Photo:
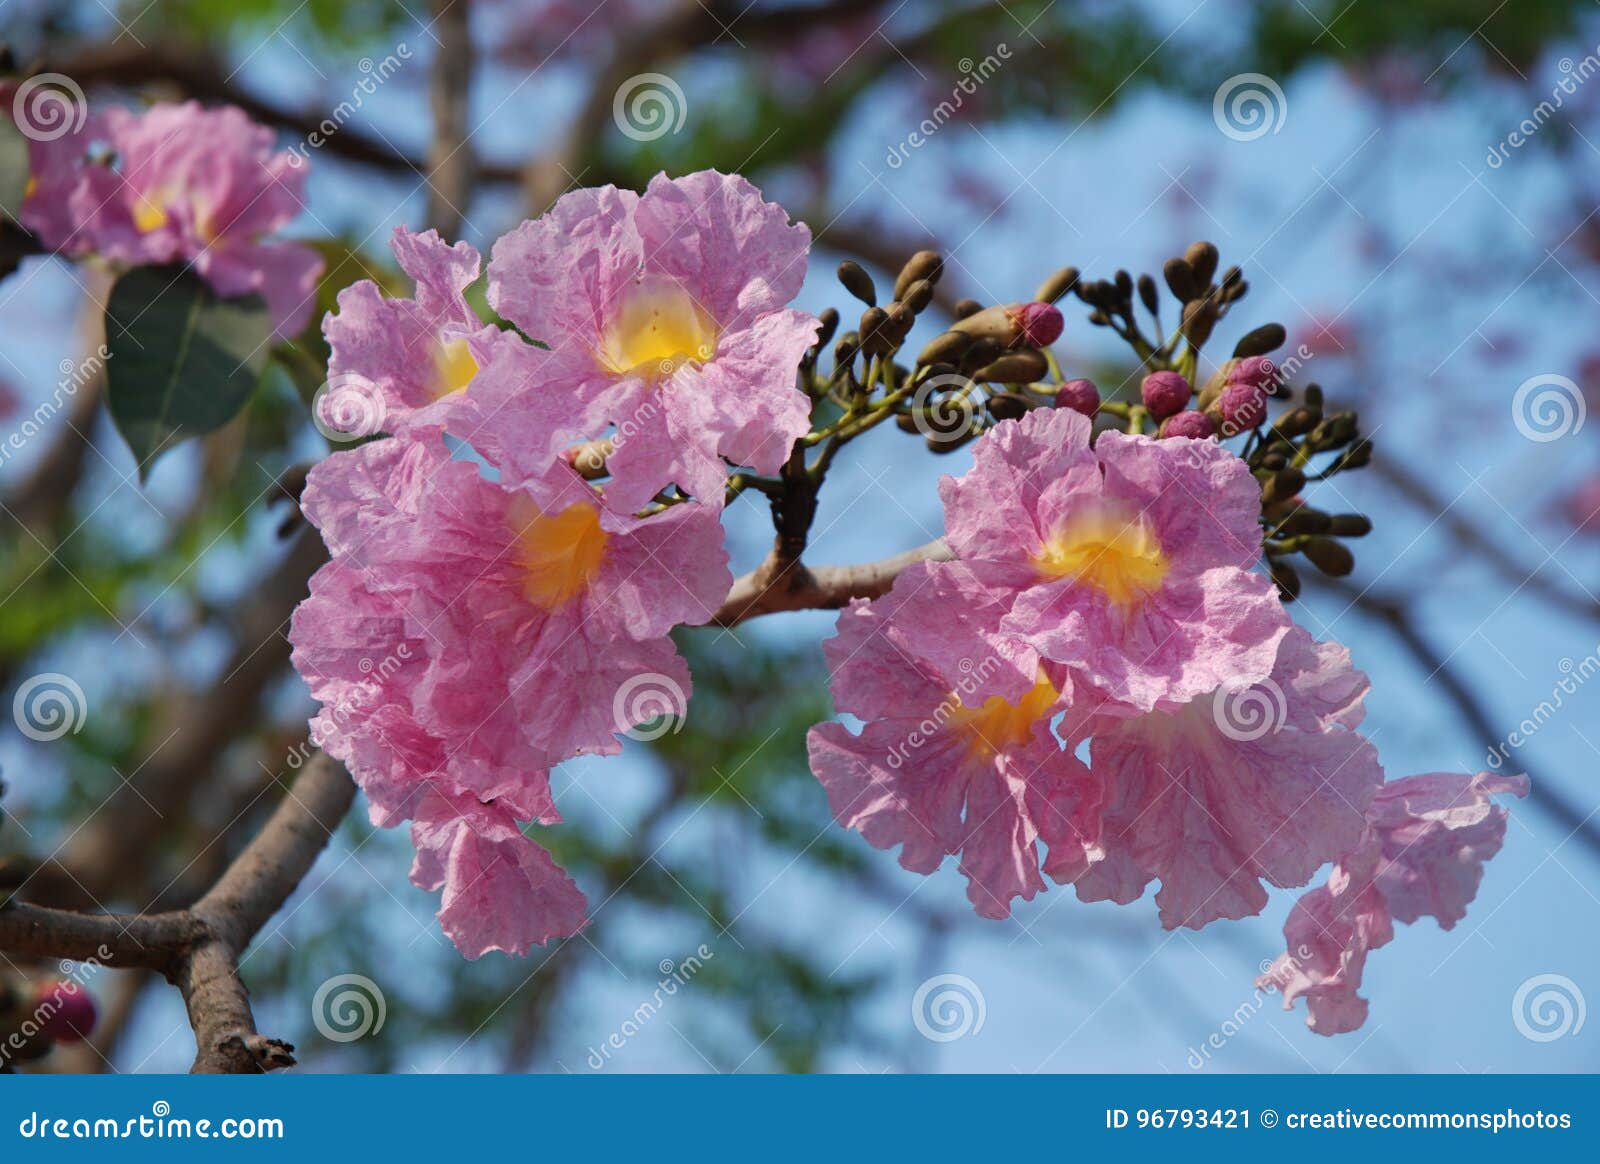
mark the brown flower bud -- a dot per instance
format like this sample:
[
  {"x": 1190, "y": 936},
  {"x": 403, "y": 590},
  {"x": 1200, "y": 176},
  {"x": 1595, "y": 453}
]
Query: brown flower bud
[
  {"x": 918, "y": 296},
  {"x": 1202, "y": 259},
  {"x": 1019, "y": 367},
  {"x": 1180, "y": 279},
  {"x": 1057, "y": 285},
  {"x": 858, "y": 283},
  {"x": 966, "y": 307},
  {"x": 1332, "y": 557},
  {"x": 947, "y": 347},
  {"x": 927, "y": 265},
  {"x": 1349, "y": 525},
  {"x": 1007, "y": 406},
  {"x": 1268, "y": 337},
  {"x": 1286, "y": 579}
]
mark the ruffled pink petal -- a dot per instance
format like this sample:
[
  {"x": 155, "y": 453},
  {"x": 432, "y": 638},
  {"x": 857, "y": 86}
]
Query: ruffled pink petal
[
  {"x": 1219, "y": 795},
  {"x": 501, "y": 890}
]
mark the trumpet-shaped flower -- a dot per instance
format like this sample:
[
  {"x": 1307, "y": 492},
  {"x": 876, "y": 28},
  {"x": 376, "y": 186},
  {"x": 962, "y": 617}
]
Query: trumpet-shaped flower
[
  {"x": 666, "y": 319},
  {"x": 1260, "y": 782},
  {"x": 182, "y": 183},
  {"x": 957, "y": 755},
  {"x": 1421, "y": 855},
  {"x": 1128, "y": 562},
  {"x": 397, "y": 364}
]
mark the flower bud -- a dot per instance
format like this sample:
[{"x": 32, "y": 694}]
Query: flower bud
[
  {"x": 1286, "y": 579},
  {"x": 827, "y": 324},
  {"x": 66, "y": 1012},
  {"x": 1268, "y": 337},
  {"x": 1164, "y": 393},
  {"x": 1188, "y": 423},
  {"x": 1283, "y": 485},
  {"x": 1199, "y": 317},
  {"x": 1041, "y": 324},
  {"x": 875, "y": 338},
  {"x": 927, "y": 265},
  {"x": 1331, "y": 557},
  {"x": 1243, "y": 407},
  {"x": 1349, "y": 525},
  {"x": 1007, "y": 406},
  {"x": 966, "y": 307},
  {"x": 949, "y": 346},
  {"x": 1057, "y": 285},
  {"x": 982, "y": 350},
  {"x": 858, "y": 282},
  {"x": 1080, "y": 396},
  {"x": 1019, "y": 367},
  {"x": 1180, "y": 279},
  {"x": 1033, "y": 325},
  {"x": 918, "y": 296},
  {"x": 1304, "y": 520},
  {"x": 1202, "y": 258}
]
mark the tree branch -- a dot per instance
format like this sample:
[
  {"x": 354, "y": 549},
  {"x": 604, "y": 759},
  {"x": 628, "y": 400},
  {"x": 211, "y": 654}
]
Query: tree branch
[{"x": 777, "y": 585}]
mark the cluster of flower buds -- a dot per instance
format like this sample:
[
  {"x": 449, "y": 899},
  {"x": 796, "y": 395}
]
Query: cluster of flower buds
[
  {"x": 36, "y": 1016},
  {"x": 994, "y": 363}
]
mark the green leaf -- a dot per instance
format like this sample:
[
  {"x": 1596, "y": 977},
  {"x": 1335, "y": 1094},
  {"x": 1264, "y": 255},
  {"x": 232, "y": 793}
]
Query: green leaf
[
  {"x": 182, "y": 361},
  {"x": 14, "y": 168}
]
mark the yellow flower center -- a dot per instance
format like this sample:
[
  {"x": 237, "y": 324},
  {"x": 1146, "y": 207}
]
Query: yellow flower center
[
  {"x": 658, "y": 327},
  {"x": 998, "y": 724},
  {"x": 453, "y": 366},
  {"x": 559, "y": 553},
  {"x": 149, "y": 214},
  {"x": 1111, "y": 549}
]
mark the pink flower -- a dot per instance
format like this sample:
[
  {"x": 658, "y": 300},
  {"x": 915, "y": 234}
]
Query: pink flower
[
  {"x": 467, "y": 636},
  {"x": 1421, "y": 855},
  {"x": 666, "y": 321},
  {"x": 1128, "y": 562},
  {"x": 189, "y": 184},
  {"x": 372, "y": 677},
  {"x": 1243, "y": 407},
  {"x": 957, "y": 756},
  {"x": 502, "y": 891},
  {"x": 1263, "y": 782},
  {"x": 539, "y": 603},
  {"x": 404, "y": 363}
]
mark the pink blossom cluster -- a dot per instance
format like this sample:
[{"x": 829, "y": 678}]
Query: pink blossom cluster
[
  {"x": 175, "y": 182},
  {"x": 489, "y": 613},
  {"x": 1103, "y": 602}
]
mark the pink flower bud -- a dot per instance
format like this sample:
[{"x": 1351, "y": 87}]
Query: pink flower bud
[
  {"x": 1080, "y": 396},
  {"x": 1039, "y": 323},
  {"x": 1164, "y": 393},
  {"x": 1188, "y": 424},
  {"x": 1243, "y": 406},
  {"x": 66, "y": 1012},
  {"x": 1257, "y": 371}
]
